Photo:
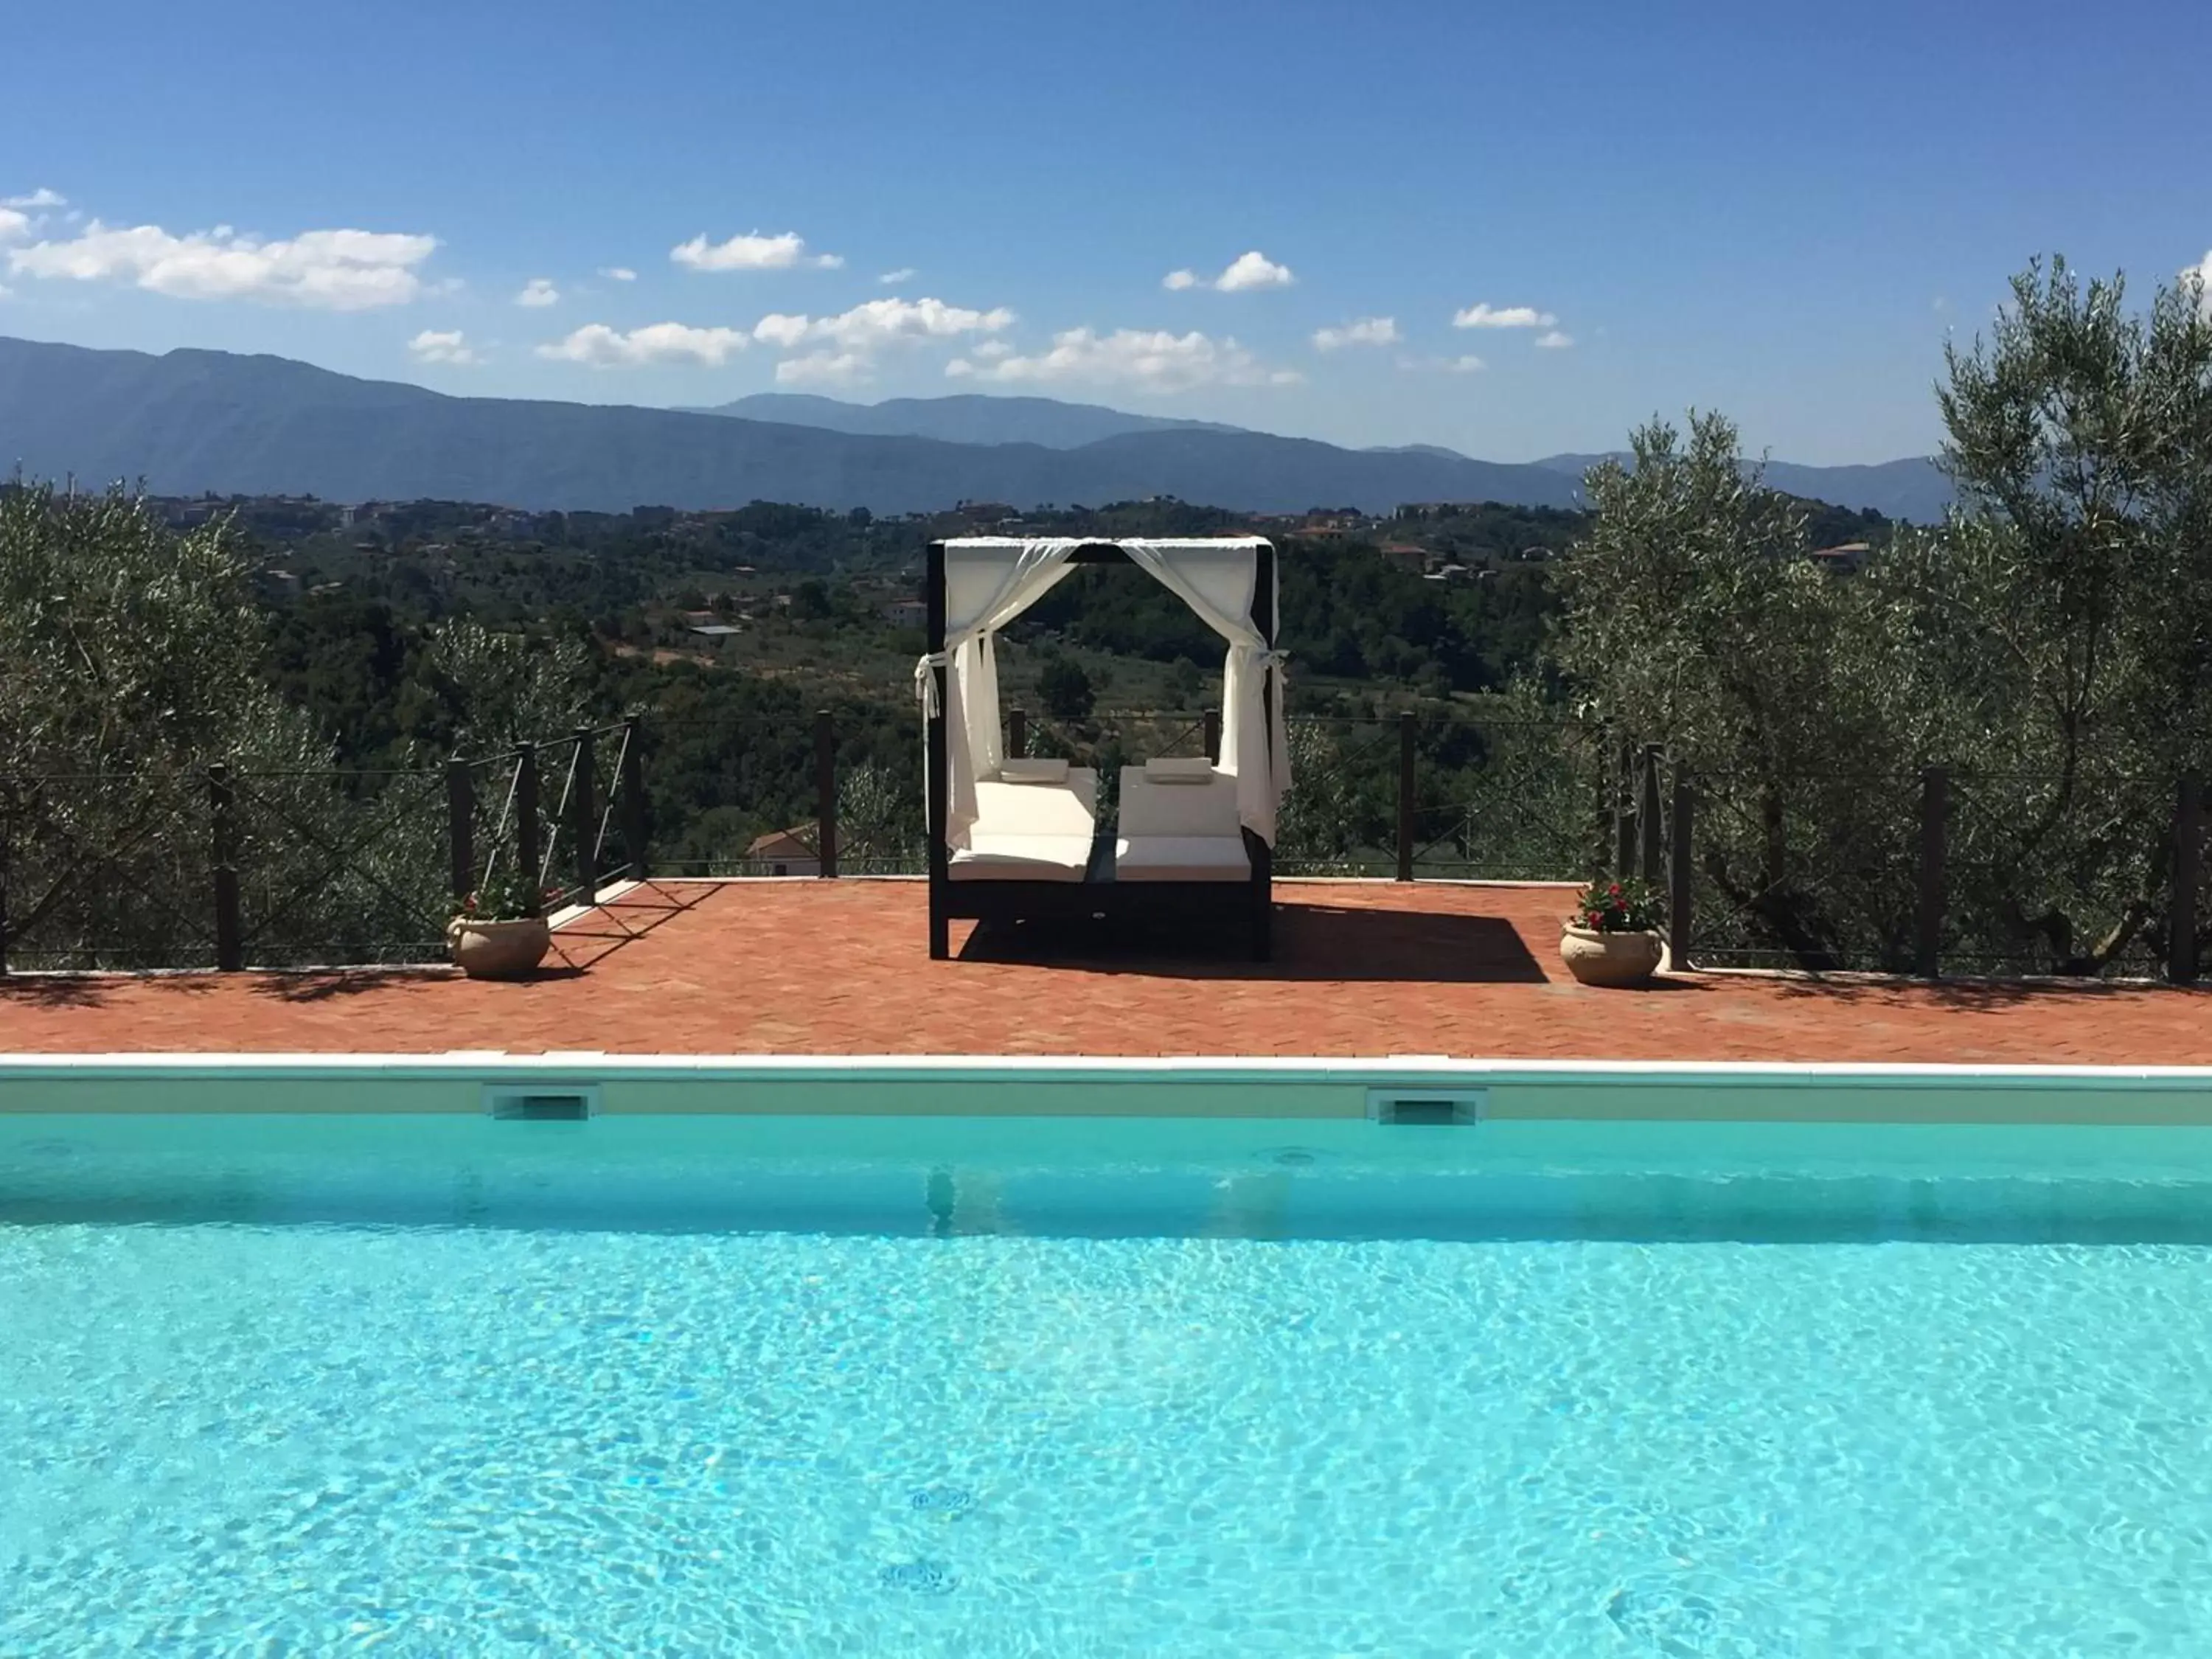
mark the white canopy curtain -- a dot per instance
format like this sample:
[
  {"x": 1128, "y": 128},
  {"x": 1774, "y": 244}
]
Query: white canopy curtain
[
  {"x": 991, "y": 580},
  {"x": 1215, "y": 579},
  {"x": 988, "y": 583}
]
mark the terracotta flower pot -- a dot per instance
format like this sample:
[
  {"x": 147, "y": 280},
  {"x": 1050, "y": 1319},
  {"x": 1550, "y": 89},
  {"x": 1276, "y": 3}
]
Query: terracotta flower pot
[
  {"x": 498, "y": 950},
  {"x": 1613, "y": 960}
]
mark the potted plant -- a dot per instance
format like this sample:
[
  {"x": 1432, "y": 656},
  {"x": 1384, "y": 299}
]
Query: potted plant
[
  {"x": 1613, "y": 937},
  {"x": 501, "y": 932}
]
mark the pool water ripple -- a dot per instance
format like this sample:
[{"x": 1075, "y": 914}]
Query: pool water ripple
[{"x": 229, "y": 1439}]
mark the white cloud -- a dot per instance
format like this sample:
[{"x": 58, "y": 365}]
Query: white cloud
[
  {"x": 824, "y": 368},
  {"x": 450, "y": 346},
  {"x": 618, "y": 273},
  {"x": 753, "y": 252},
  {"x": 1467, "y": 364},
  {"x": 991, "y": 350},
  {"x": 1144, "y": 361},
  {"x": 2202, "y": 270},
  {"x": 329, "y": 270},
  {"x": 6, "y": 293},
  {"x": 538, "y": 291},
  {"x": 1253, "y": 269},
  {"x": 40, "y": 197},
  {"x": 658, "y": 343},
  {"x": 1555, "y": 341},
  {"x": 13, "y": 224},
  {"x": 1366, "y": 331},
  {"x": 903, "y": 274},
  {"x": 876, "y": 323},
  {"x": 778, "y": 329},
  {"x": 1246, "y": 271},
  {"x": 1490, "y": 316}
]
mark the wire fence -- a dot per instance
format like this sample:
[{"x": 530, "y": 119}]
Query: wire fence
[
  {"x": 1810, "y": 870},
  {"x": 2098, "y": 870},
  {"x": 2094, "y": 873}
]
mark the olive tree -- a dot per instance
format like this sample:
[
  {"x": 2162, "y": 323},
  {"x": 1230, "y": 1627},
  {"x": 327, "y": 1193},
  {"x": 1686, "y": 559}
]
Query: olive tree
[
  {"x": 1694, "y": 621},
  {"x": 2062, "y": 625},
  {"x": 2050, "y": 643},
  {"x": 130, "y": 662}
]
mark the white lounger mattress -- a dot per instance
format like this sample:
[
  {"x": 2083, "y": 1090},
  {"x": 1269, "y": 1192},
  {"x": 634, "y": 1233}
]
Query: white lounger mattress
[
  {"x": 1180, "y": 831},
  {"x": 1030, "y": 832}
]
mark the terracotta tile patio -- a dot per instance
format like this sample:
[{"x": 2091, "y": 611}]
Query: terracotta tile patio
[{"x": 840, "y": 968}]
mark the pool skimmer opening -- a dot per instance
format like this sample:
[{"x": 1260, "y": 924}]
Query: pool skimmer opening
[
  {"x": 542, "y": 1102},
  {"x": 1427, "y": 1107}
]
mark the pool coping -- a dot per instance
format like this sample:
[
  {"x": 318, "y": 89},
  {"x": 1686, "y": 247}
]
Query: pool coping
[{"x": 1175, "y": 1087}]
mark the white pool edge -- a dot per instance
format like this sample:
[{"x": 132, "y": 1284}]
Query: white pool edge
[{"x": 1107, "y": 1086}]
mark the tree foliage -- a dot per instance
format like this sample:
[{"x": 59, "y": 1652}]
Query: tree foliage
[{"x": 2051, "y": 646}]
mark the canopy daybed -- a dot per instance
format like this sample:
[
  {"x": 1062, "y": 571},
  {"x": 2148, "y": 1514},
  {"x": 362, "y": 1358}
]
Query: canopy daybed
[{"x": 1014, "y": 838}]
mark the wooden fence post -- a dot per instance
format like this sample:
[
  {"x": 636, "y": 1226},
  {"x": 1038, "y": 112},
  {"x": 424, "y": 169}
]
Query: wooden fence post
[
  {"x": 1406, "y": 783},
  {"x": 1679, "y": 917},
  {"x": 633, "y": 800},
  {"x": 1018, "y": 732},
  {"x": 460, "y": 828},
  {"x": 1624, "y": 813},
  {"x": 229, "y": 943},
  {"x": 529, "y": 864},
  {"x": 1935, "y": 814},
  {"x": 584, "y": 816},
  {"x": 1647, "y": 819},
  {"x": 1602, "y": 826},
  {"x": 2188, "y": 871},
  {"x": 825, "y": 793},
  {"x": 1210, "y": 725}
]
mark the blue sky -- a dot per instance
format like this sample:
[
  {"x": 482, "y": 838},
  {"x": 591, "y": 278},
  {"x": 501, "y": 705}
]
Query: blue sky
[{"x": 1522, "y": 230}]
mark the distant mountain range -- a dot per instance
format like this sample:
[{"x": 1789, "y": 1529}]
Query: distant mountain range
[
  {"x": 968, "y": 419},
  {"x": 1914, "y": 488},
  {"x": 192, "y": 421}
]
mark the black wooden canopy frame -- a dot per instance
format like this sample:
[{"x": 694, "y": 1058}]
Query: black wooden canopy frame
[{"x": 1221, "y": 909}]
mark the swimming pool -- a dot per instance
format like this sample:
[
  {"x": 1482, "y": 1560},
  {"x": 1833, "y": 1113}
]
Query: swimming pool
[{"x": 794, "y": 1386}]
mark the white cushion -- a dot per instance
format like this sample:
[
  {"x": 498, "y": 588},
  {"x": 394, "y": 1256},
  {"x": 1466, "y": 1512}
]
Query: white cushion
[
  {"x": 1181, "y": 858},
  {"x": 1038, "y": 809},
  {"x": 1033, "y": 769},
  {"x": 1152, "y": 809},
  {"x": 1022, "y": 858},
  {"x": 1179, "y": 768}
]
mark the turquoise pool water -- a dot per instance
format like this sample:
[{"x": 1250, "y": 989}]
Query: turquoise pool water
[{"x": 877, "y": 1387}]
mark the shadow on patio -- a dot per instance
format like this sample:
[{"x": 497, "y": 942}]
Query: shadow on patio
[
  {"x": 1312, "y": 942},
  {"x": 1971, "y": 994}
]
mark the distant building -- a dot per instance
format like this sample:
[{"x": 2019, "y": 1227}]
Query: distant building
[
  {"x": 1406, "y": 556},
  {"x": 716, "y": 631},
  {"x": 906, "y": 613},
  {"x": 786, "y": 852},
  {"x": 1844, "y": 558}
]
